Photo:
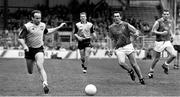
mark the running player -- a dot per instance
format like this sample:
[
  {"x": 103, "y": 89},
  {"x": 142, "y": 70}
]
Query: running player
[
  {"x": 163, "y": 30},
  {"x": 176, "y": 44},
  {"x": 120, "y": 33},
  {"x": 83, "y": 31},
  {"x": 31, "y": 39}
]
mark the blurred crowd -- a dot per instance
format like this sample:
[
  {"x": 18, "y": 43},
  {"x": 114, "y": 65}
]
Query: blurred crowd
[{"x": 100, "y": 15}]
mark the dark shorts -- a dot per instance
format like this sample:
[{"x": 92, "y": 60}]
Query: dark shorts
[
  {"x": 177, "y": 47},
  {"x": 32, "y": 52},
  {"x": 85, "y": 43}
]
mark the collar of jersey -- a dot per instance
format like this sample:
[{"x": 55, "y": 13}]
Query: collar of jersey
[{"x": 84, "y": 23}]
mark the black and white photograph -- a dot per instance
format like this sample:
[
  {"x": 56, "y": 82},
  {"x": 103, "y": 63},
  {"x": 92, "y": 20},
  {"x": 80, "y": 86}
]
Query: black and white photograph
[{"x": 89, "y": 48}]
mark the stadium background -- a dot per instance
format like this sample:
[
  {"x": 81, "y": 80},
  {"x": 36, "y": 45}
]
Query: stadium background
[{"x": 140, "y": 13}]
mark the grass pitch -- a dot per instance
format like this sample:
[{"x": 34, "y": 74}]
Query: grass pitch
[{"x": 65, "y": 78}]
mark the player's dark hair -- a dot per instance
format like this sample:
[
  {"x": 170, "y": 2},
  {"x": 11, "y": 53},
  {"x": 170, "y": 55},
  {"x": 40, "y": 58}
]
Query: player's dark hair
[
  {"x": 165, "y": 10},
  {"x": 35, "y": 11}
]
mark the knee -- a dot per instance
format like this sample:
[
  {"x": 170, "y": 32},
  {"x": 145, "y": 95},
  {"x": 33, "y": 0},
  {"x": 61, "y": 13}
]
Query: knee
[
  {"x": 121, "y": 63},
  {"x": 156, "y": 58},
  {"x": 134, "y": 65},
  {"x": 40, "y": 68},
  {"x": 174, "y": 55},
  {"x": 40, "y": 62},
  {"x": 83, "y": 59}
]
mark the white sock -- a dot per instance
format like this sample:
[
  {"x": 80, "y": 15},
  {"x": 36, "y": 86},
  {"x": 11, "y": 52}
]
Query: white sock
[
  {"x": 151, "y": 70},
  {"x": 166, "y": 63},
  {"x": 45, "y": 83}
]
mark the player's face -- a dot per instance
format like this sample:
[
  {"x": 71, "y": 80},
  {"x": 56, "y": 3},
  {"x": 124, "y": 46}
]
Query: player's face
[
  {"x": 83, "y": 17},
  {"x": 117, "y": 17},
  {"x": 37, "y": 18},
  {"x": 166, "y": 15}
]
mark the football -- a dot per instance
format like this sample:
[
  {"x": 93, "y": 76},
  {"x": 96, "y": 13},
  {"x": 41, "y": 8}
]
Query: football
[{"x": 90, "y": 90}]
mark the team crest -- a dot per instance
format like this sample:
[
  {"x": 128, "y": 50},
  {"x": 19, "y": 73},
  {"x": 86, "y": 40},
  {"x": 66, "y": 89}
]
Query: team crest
[
  {"x": 41, "y": 27},
  {"x": 32, "y": 28},
  {"x": 123, "y": 27}
]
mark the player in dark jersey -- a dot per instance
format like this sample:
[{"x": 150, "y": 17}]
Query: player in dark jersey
[
  {"x": 163, "y": 30},
  {"x": 83, "y": 31},
  {"x": 31, "y": 39},
  {"x": 120, "y": 33}
]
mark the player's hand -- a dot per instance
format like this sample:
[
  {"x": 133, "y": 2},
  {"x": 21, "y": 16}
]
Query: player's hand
[
  {"x": 109, "y": 53},
  {"x": 26, "y": 49},
  {"x": 172, "y": 38},
  {"x": 62, "y": 24},
  {"x": 80, "y": 38},
  {"x": 165, "y": 33},
  {"x": 136, "y": 35}
]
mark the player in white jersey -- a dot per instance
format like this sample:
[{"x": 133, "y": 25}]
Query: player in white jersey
[
  {"x": 31, "y": 39},
  {"x": 83, "y": 31},
  {"x": 176, "y": 43}
]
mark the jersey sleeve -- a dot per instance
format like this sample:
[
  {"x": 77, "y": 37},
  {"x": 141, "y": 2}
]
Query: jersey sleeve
[
  {"x": 76, "y": 29},
  {"x": 45, "y": 31},
  {"x": 91, "y": 29},
  {"x": 23, "y": 32},
  {"x": 131, "y": 28}
]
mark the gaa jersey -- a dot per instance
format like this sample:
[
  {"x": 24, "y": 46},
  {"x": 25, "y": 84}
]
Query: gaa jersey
[
  {"x": 120, "y": 34},
  {"x": 163, "y": 25},
  {"x": 84, "y": 29},
  {"x": 33, "y": 34},
  {"x": 176, "y": 39}
]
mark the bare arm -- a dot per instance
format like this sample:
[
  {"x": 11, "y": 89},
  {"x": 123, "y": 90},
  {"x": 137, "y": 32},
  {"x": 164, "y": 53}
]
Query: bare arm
[
  {"x": 133, "y": 30},
  {"x": 111, "y": 46},
  {"x": 51, "y": 30},
  {"x": 111, "y": 42},
  {"x": 155, "y": 28},
  {"x": 21, "y": 40}
]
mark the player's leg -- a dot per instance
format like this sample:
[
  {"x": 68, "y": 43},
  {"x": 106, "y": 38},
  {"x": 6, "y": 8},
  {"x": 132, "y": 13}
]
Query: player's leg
[
  {"x": 121, "y": 61},
  {"x": 155, "y": 60},
  {"x": 30, "y": 61},
  {"x": 82, "y": 54},
  {"x": 39, "y": 57},
  {"x": 173, "y": 53},
  {"x": 176, "y": 60},
  {"x": 136, "y": 67},
  {"x": 30, "y": 65},
  {"x": 81, "y": 47},
  {"x": 85, "y": 48},
  {"x": 86, "y": 57}
]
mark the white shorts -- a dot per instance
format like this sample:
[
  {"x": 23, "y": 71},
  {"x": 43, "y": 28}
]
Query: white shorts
[
  {"x": 127, "y": 49},
  {"x": 122, "y": 52},
  {"x": 176, "y": 40},
  {"x": 162, "y": 45}
]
